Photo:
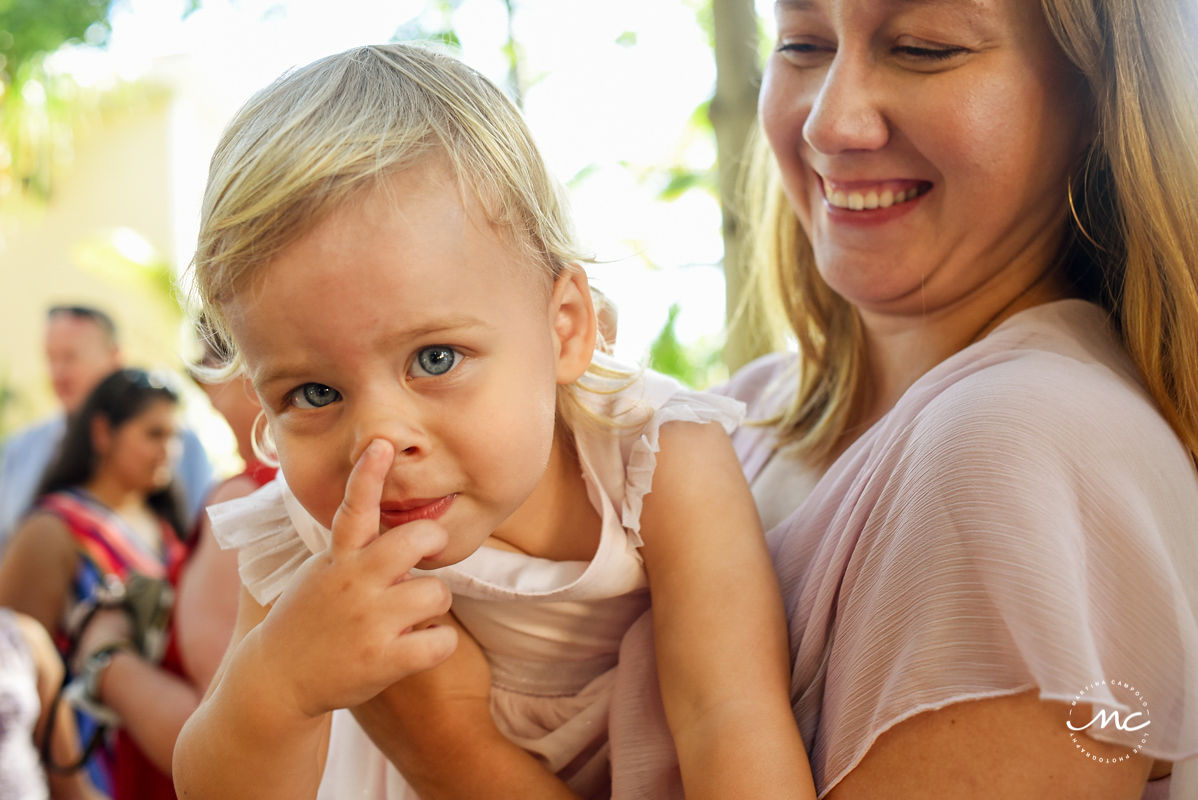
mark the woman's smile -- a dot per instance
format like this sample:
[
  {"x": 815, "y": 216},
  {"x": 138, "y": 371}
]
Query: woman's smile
[{"x": 863, "y": 195}]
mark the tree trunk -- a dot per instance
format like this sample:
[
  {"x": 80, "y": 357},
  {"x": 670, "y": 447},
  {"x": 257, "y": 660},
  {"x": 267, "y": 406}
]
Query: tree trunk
[{"x": 733, "y": 114}]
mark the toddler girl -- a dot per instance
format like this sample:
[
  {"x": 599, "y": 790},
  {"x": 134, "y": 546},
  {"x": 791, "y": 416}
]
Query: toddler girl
[{"x": 382, "y": 242}]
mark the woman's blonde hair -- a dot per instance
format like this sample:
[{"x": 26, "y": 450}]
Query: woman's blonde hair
[
  {"x": 323, "y": 133},
  {"x": 1133, "y": 240}
]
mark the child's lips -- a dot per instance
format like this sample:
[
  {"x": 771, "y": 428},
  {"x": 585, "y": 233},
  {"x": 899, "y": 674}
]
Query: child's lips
[{"x": 395, "y": 514}]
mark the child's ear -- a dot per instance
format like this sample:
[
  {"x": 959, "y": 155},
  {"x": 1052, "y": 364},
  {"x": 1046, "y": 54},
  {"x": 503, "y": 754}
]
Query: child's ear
[{"x": 573, "y": 315}]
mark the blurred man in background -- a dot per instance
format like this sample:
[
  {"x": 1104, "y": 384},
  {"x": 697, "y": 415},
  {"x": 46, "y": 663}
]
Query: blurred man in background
[{"x": 81, "y": 349}]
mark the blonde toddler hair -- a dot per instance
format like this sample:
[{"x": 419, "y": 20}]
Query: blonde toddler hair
[{"x": 325, "y": 132}]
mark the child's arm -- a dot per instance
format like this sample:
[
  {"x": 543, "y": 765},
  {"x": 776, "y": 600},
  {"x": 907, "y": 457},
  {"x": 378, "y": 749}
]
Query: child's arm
[
  {"x": 341, "y": 632},
  {"x": 719, "y": 625}
]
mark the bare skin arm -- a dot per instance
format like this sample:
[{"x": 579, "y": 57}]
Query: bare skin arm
[
  {"x": 206, "y": 610},
  {"x": 35, "y": 573},
  {"x": 64, "y": 746},
  {"x": 722, "y": 652},
  {"x": 341, "y": 632},
  {"x": 436, "y": 727},
  {"x": 152, "y": 703},
  {"x": 1006, "y": 748}
]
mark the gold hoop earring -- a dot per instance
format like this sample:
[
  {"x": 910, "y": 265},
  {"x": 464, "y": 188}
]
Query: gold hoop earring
[
  {"x": 262, "y": 442},
  {"x": 1076, "y": 218}
]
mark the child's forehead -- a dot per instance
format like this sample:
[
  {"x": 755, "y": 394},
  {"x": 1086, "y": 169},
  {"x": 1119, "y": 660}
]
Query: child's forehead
[
  {"x": 407, "y": 209},
  {"x": 464, "y": 201}
]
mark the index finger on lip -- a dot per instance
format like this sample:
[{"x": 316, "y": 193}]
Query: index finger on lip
[{"x": 356, "y": 522}]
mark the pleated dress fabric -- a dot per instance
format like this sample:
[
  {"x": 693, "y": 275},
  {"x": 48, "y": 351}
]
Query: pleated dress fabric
[{"x": 1023, "y": 519}]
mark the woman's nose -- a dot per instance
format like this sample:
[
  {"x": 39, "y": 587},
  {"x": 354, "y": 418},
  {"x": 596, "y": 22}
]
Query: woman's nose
[{"x": 845, "y": 115}]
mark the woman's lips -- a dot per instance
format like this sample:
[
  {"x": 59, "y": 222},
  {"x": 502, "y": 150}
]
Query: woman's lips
[{"x": 395, "y": 514}]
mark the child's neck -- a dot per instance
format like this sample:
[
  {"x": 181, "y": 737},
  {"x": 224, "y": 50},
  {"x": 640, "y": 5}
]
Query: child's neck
[{"x": 558, "y": 520}]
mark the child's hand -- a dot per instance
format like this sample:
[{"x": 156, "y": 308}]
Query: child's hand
[{"x": 345, "y": 627}]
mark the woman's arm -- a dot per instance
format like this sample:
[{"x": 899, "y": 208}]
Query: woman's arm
[
  {"x": 35, "y": 574},
  {"x": 206, "y": 610},
  {"x": 64, "y": 745},
  {"x": 340, "y": 633},
  {"x": 436, "y": 728},
  {"x": 1005, "y": 748},
  {"x": 152, "y": 703},
  {"x": 719, "y": 627}
]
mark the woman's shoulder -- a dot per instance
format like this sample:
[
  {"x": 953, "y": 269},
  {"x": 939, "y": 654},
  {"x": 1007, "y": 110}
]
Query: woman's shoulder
[
  {"x": 1060, "y": 382},
  {"x": 765, "y": 383},
  {"x": 46, "y": 528}
]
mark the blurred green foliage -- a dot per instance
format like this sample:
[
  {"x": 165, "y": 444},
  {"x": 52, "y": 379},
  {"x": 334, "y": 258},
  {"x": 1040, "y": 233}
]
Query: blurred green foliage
[
  {"x": 698, "y": 365},
  {"x": 31, "y": 28},
  {"x": 39, "y": 110}
]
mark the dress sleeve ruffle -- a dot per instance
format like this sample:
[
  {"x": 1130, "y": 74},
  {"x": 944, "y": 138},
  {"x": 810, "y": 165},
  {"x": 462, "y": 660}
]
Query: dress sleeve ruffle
[
  {"x": 1030, "y": 531},
  {"x": 259, "y": 527},
  {"x": 680, "y": 405}
]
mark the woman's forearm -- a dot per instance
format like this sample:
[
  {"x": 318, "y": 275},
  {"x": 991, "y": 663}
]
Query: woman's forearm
[
  {"x": 152, "y": 703},
  {"x": 457, "y": 753}
]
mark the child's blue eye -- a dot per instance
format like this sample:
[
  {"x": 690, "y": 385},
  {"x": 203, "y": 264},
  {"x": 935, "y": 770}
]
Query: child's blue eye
[
  {"x": 435, "y": 360},
  {"x": 314, "y": 395}
]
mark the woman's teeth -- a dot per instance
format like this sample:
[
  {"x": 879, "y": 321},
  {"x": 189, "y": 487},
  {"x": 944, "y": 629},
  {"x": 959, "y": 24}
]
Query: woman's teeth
[{"x": 859, "y": 201}]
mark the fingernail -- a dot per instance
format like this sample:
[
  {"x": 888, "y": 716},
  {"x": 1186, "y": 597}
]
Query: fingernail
[{"x": 374, "y": 447}]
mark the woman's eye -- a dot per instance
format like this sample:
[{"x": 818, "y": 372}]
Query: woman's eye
[
  {"x": 433, "y": 361},
  {"x": 929, "y": 53},
  {"x": 314, "y": 395},
  {"x": 803, "y": 53}
]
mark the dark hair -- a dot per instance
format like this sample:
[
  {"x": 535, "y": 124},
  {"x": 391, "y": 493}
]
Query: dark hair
[
  {"x": 118, "y": 398},
  {"x": 89, "y": 313}
]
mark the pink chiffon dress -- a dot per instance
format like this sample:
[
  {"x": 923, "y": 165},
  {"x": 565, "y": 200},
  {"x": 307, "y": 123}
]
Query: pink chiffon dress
[
  {"x": 551, "y": 630},
  {"x": 1023, "y": 519}
]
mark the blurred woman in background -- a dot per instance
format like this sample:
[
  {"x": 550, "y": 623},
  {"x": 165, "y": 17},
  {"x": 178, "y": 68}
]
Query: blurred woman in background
[{"x": 106, "y": 512}]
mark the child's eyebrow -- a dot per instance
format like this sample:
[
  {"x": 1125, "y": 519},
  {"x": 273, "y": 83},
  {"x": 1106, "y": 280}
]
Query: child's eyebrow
[{"x": 443, "y": 325}]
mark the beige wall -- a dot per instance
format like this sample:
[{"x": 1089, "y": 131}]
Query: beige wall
[{"x": 120, "y": 178}]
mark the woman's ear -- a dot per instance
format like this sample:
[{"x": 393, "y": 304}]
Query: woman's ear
[
  {"x": 572, "y": 313},
  {"x": 101, "y": 432}
]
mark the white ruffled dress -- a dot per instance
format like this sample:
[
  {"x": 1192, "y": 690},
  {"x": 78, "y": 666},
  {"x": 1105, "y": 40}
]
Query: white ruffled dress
[{"x": 551, "y": 630}]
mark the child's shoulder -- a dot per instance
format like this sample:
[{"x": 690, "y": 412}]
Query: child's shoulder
[
  {"x": 630, "y": 401},
  {"x": 620, "y": 438}
]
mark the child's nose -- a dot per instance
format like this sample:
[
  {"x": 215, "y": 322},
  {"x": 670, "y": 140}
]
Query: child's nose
[{"x": 400, "y": 427}]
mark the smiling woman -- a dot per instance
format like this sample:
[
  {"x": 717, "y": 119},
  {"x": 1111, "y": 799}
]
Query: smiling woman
[
  {"x": 980, "y": 470},
  {"x": 967, "y": 116}
]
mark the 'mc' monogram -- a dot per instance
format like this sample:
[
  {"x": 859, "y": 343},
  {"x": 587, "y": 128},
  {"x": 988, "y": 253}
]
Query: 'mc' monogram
[{"x": 1103, "y": 720}]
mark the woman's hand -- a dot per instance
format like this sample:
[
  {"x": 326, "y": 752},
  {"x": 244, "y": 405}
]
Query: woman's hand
[
  {"x": 106, "y": 627},
  {"x": 457, "y": 688},
  {"x": 353, "y": 621}
]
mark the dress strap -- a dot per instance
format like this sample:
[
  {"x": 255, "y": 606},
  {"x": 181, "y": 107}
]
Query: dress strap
[{"x": 104, "y": 537}]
